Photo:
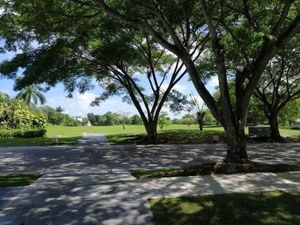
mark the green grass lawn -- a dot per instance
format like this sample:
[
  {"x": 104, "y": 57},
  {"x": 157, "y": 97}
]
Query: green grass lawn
[
  {"x": 14, "y": 180},
  {"x": 266, "y": 208},
  {"x": 40, "y": 141},
  {"x": 116, "y": 135}
]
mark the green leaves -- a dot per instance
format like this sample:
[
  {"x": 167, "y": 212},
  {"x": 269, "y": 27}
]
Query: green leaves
[
  {"x": 16, "y": 115},
  {"x": 31, "y": 95}
]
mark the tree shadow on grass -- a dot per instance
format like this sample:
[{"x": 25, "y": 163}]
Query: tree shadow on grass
[
  {"x": 172, "y": 137},
  {"x": 267, "y": 208},
  {"x": 180, "y": 136}
]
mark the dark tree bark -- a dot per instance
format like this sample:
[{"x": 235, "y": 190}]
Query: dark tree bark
[
  {"x": 151, "y": 129},
  {"x": 200, "y": 123},
  {"x": 273, "y": 122},
  {"x": 236, "y": 143},
  {"x": 200, "y": 119}
]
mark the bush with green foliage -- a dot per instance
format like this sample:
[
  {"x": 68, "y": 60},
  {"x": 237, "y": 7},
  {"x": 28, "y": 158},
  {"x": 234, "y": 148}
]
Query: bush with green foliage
[
  {"x": 56, "y": 117},
  {"x": 111, "y": 119},
  {"x": 18, "y": 120},
  {"x": 16, "y": 115},
  {"x": 24, "y": 133}
]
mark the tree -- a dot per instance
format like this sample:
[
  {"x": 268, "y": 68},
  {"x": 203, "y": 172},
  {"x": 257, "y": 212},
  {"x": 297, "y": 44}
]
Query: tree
[
  {"x": 163, "y": 120},
  {"x": 188, "y": 119},
  {"x": 123, "y": 116},
  {"x": 290, "y": 113},
  {"x": 31, "y": 95},
  {"x": 199, "y": 111},
  {"x": 279, "y": 85},
  {"x": 59, "y": 109},
  {"x": 136, "y": 120},
  {"x": 209, "y": 118},
  {"x": 190, "y": 105},
  {"x": 109, "y": 119},
  {"x": 160, "y": 73},
  {"x": 91, "y": 117},
  {"x": 58, "y": 118},
  {"x": 244, "y": 37},
  {"x": 124, "y": 62},
  {"x": 256, "y": 113}
]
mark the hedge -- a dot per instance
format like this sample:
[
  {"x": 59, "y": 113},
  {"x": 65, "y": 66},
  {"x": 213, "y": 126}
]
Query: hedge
[
  {"x": 17, "y": 115},
  {"x": 24, "y": 133}
]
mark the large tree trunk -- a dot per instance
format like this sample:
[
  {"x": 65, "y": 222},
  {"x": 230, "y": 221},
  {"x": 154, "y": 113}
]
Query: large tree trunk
[
  {"x": 290, "y": 123},
  {"x": 200, "y": 123},
  {"x": 273, "y": 122},
  {"x": 236, "y": 144},
  {"x": 151, "y": 129},
  {"x": 200, "y": 119}
]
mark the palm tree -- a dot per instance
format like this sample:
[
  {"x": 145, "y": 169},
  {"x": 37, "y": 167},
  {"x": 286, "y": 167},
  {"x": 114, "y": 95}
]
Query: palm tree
[
  {"x": 31, "y": 94},
  {"x": 195, "y": 106},
  {"x": 59, "y": 109}
]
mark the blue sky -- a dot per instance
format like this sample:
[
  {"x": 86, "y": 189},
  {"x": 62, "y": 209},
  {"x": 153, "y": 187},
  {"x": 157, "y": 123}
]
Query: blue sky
[{"x": 79, "y": 105}]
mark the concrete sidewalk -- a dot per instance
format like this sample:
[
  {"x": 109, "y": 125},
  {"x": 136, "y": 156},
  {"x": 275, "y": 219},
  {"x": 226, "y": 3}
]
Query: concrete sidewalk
[
  {"x": 116, "y": 198},
  {"x": 93, "y": 139},
  {"x": 220, "y": 184}
]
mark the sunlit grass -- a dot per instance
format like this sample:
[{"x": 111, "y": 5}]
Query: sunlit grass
[
  {"x": 266, "y": 208},
  {"x": 173, "y": 133}
]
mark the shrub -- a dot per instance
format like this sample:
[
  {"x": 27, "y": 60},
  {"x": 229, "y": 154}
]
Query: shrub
[
  {"x": 16, "y": 115},
  {"x": 24, "y": 133}
]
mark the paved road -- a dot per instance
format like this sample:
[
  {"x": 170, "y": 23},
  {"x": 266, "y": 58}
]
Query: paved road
[
  {"x": 90, "y": 184},
  {"x": 103, "y": 156}
]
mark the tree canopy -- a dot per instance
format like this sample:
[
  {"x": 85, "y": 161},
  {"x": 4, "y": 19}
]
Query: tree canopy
[
  {"x": 280, "y": 84},
  {"x": 233, "y": 39}
]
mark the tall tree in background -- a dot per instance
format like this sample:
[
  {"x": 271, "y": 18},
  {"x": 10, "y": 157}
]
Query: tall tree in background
[
  {"x": 279, "y": 85},
  {"x": 290, "y": 113},
  {"x": 59, "y": 109},
  {"x": 199, "y": 111},
  {"x": 141, "y": 71},
  {"x": 244, "y": 36},
  {"x": 31, "y": 95},
  {"x": 189, "y": 104}
]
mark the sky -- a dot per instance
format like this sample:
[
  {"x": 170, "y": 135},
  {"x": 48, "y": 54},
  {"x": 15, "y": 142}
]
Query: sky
[{"x": 79, "y": 105}]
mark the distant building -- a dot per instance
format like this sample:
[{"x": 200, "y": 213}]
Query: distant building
[
  {"x": 78, "y": 118},
  {"x": 82, "y": 120}
]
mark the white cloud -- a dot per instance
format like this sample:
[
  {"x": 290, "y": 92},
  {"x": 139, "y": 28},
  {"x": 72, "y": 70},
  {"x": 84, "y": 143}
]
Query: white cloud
[
  {"x": 177, "y": 87},
  {"x": 212, "y": 84},
  {"x": 79, "y": 105}
]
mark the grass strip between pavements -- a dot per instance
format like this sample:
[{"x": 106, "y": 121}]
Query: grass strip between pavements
[{"x": 14, "y": 180}]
